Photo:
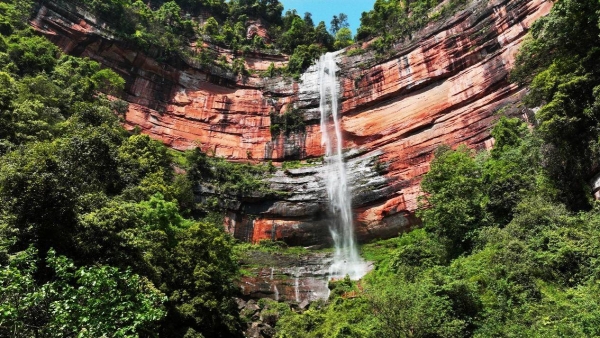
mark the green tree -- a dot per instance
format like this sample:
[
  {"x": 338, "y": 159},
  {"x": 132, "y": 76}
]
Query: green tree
[
  {"x": 322, "y": 37},
  {"x": 7, "y": 95},
  {"x": 169, "y": 14},
  {"x": 74, "y": 77},
  {"x": 453, "y": 205},
  {"x": 14, "y": 15},
  {"x": 201, "y": 282},
  {"x": 303, "y": 57},
  {"x": 414, "y": 310},
  {"x": 295, "y": 36},
  {"x": 343, "y": 38},
  {"x": 33, "y": 121},
  {"x": 211, "y": 27},
  {"x": 108, "y": 82},
  {"x": 416, "y": 252},
  {"x": 513, "y": 171},
  {"x": 338, "y": 22},
  {"x": 32, "y": 54},
  {"x": 85, "y": 301},
  {"x": 139, "y": 156}
]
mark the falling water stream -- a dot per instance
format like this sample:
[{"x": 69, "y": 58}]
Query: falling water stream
[
  {"x": 346, "y": 260},
  {"x": 296, "y": 285}
]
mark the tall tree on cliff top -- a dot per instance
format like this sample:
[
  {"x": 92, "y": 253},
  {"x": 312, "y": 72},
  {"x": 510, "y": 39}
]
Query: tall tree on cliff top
[{"x": 338, "y": 22}]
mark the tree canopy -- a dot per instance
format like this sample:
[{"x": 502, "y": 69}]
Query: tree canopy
[{"x": 93, "y": 238}]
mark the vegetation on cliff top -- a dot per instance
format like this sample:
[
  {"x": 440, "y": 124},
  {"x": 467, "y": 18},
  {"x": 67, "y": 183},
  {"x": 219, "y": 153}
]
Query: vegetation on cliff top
[
  {"x": 179, "y": 28},
  {"x": 398, "y": 19}
]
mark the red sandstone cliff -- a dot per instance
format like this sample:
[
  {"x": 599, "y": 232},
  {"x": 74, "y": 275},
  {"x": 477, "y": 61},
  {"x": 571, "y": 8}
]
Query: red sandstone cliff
[{"x": 443, "y": 86}]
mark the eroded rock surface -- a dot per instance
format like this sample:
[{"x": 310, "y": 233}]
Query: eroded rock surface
[
  {"x": 443, "y": 86},
  {"x": 286, "y": 278}
]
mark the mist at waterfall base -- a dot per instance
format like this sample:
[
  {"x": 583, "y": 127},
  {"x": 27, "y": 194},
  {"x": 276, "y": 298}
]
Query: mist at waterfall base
[{"x": 346, "y": 260}]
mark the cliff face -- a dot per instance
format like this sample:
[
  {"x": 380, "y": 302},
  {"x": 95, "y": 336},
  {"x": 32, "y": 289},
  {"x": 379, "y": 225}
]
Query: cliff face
[{"x": 443, "y": 86}]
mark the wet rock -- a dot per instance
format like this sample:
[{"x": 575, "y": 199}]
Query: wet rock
[
  {"x": 304, "y": 304},
  {"x": 252, "y": 306},
  {"x": 286, "y": 278},
  {"x": 269, "y": 317},
  {"x": 260, "y": 330},
  {"x": 267, "y": 331},
  {"x": 240, "y": 303}
]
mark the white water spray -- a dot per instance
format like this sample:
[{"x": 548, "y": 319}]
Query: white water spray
[{"x": 346, "y": 260}]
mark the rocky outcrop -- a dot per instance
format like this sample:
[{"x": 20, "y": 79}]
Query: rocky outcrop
[
  {"x": 445, "y": 85},
  {"x": 291, "y": 278},
  {"x": 257, "y": 28},
  {"x": 295, "y": 278}
]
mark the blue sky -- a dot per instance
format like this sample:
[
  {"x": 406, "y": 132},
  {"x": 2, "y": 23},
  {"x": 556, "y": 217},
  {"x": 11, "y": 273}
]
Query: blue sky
[{"x": 324, "y": 10}]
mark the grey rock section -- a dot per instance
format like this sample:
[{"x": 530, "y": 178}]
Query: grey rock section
[
  {"x": 300, "y": 213},
  {"x": 286, "y": 278},
  {"x": 306, "y": 187}
]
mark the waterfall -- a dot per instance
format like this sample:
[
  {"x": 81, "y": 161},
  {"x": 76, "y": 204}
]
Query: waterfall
[
  {"x": 346, "y": 260},
  {"x": 297, "y": 286}
]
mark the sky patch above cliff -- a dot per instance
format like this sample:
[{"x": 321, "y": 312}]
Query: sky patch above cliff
[{"x": 324, "y": 10}]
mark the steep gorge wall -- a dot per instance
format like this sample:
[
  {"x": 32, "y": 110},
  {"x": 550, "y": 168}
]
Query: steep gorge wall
[{"x": 443, "y": 86}]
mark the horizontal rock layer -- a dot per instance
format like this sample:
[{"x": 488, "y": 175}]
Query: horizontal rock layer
[
  {"x": 443, "y": 86},
  {"x": 286, "y": 277}
]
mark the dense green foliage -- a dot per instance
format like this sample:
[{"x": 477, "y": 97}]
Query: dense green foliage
[
  {"x": 93, "y": 241},
  {"x": 509, "y": 243},
  {"x": 173, "y": 27},
  {"x": 87, "y": 301},
  {"x": 167, "y": 29},
  {"x": 391, "y": 21},
  {"x": 562, "y": 59}
]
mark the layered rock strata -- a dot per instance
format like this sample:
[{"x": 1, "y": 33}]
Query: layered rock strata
[
  {"x": 293, "y": 278},
  {"x": 445, "y": 85},
  {"x": 289, "y": 278}
]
